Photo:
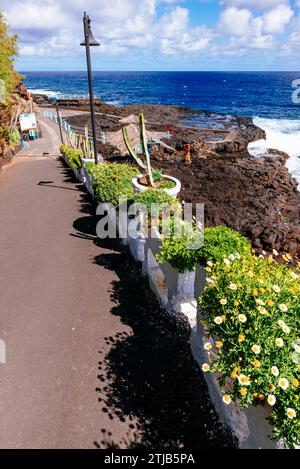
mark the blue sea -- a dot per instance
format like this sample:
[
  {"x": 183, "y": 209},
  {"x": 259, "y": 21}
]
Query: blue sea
[{"x": 266, "y": 97}]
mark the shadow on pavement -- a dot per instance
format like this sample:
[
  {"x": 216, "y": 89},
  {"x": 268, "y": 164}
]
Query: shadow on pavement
[{"x": 148, "y": 378}]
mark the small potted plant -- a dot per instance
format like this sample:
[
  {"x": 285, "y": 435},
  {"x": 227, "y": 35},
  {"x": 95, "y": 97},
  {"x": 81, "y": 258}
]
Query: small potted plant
[{"x": 149, "y": 178}]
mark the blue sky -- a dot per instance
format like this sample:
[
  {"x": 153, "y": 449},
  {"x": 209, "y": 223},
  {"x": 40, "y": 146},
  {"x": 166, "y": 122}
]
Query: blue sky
[{"x": 158, "y": 34}]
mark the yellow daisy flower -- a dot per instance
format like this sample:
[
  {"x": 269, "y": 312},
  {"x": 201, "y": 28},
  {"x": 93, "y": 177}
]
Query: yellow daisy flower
[
  {"x": 279, "y": 342},
  {"x": 271, "y": 399},
  {"x": 226, "y": 399},
  {"x": 275, "y": 371},
  {"x": 256, "y": 349},
  {"x": 207, "y": 346},
  {"x": 283, "y": 383},
  {"x": 218, "y": 320},
  {"x": 242, "y": 318},
  {"x": 205, "y": 367},
  {"x": 291, "y": 413},
  {"x": 244, "y": 380},
  {"x": 295, "y": 383}
]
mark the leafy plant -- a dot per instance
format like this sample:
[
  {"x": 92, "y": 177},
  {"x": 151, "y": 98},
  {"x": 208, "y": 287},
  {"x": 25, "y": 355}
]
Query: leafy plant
[
  {"x": 8, "y": 52},
  {"x": 251, "y": 309},
  {"x": 112, "y": 180},
  {"x": 73, "y": 156},
  {"x": 211, "y": 244},
  {"x": 145, "y": 165},
  {"x": 220, "y": 242},
  {"x": 180, "y": 248},
  {"x": 157, "y": 175},
  {"x": 167, "y": 184},
  {"x": 11, "y": 137},
  {"x": 154, "y": 199},
  {"x": 89, "y": 167}
]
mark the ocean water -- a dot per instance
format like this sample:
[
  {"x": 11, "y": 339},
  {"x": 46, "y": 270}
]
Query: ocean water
[{"x": 264, "y": 96}]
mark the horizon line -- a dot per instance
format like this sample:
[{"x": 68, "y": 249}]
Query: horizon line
[{"x": 165, "y": 71}]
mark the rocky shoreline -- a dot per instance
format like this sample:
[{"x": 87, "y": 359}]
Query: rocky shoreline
[{"x": 256, "y": 196}]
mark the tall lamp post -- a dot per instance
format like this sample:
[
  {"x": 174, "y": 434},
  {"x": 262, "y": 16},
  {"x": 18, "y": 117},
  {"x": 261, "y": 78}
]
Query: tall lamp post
[
  {"x": 59, "y": 122},
  {"x": 90, "y": 41}
]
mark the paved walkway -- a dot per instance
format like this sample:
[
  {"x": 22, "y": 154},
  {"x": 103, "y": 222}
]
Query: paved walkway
[
  {"x": 55, "y": 308},
  {"x": 91, "y": 359}
]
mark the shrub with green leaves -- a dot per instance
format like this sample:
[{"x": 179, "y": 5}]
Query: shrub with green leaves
[
  {"x": 112, "y": 180},
  {"x": 89, "y": 167},
  {"x": 159, "y": 208},
  {"x": 251, "y": 312},
  {"x": 155, "y": 199},
  {"x": 210, "y": 244},
  {"x": 73, "y": 156},
  {"x": 180, "y": 248},
  {"x": 11, "y": 137},
  {"x": 220, "y": 242},
  {"x": 8, "y": 53}
]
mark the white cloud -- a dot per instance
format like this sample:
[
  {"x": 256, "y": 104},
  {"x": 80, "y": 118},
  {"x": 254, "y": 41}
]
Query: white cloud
[
  {"x": 174, "y": 23},
  {"x": 255, "y": 4},
  {"x": 254, "y": 32},
  {"x": 54, "y": 27},
  {"x": 275, "y": 21},
  {"x": 235, "y": 22}
]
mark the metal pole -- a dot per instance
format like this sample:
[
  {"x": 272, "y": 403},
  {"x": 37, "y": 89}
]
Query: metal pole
[
  {"x": 91, "y": 92},
  {"x": 59, "y": 124}
]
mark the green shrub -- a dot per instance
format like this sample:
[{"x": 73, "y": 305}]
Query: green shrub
[
  {"x": 112, "y": 180},
  {"x": 167, "y": 184},
  {"x": 251, "y": 308},
  {"x": 154, "y": 196},
  {"x": 180, "y": 248},
  {"x": 73, "y": 156},
  {"x": 216, "y": 243},
  {"x": 157, "y": 175},
  {"x": 8, "y": 53},
  {"x": 89, "y": 167},
  {"x": 163, "y": 183},
  {"x": 220, "y": 242},
  {"x": 11, "y": 137},
  {"x": 159, "y": 207}
]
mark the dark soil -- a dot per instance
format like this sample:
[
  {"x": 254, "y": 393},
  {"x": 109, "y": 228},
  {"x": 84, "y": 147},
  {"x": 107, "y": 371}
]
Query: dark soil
[{"x": 256, "y": 196}]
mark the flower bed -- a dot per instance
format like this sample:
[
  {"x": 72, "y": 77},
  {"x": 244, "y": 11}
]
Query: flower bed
[{"x": 251, "y": 305}]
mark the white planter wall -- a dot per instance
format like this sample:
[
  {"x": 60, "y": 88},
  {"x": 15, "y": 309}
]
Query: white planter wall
[{"x": 178, "y": 293}]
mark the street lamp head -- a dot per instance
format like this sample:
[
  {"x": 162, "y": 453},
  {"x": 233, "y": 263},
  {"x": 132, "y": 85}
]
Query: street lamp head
[{"x": 88, "y": 32}]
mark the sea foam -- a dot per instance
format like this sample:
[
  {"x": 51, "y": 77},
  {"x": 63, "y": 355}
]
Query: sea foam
[{"x": 283, "y": 135}]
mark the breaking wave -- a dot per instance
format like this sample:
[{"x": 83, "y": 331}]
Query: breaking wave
[{"x": 283, "y": 135}]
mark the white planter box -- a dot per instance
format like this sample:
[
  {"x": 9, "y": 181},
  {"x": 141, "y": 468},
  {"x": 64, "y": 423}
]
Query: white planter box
[
  {"x": 172, "y": 192},
  {"x": 87, "y": 180},
  {"x": 86, "y": 160},
  {"x": 174, "y": 290}
]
